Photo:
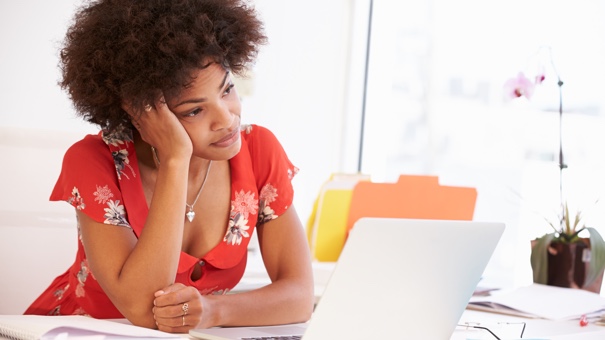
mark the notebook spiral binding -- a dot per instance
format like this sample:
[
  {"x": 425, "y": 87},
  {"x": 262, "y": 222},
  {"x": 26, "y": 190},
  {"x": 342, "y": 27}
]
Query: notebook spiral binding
[{"x": 17, "y": 334}]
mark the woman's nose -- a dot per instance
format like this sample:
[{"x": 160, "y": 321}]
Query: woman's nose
[{"x": 222, "y": 117}]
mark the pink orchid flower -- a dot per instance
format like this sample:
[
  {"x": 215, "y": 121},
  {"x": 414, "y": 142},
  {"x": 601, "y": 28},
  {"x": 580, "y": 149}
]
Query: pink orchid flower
[{"x": 519, "y": 86}]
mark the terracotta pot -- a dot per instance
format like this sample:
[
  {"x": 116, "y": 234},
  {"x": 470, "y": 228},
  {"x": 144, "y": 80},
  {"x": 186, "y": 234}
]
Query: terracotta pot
[{"x": 568, "y": 265}]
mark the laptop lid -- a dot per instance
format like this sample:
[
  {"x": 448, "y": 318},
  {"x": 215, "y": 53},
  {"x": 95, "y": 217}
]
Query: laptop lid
[{"x": 397, "y": 278}]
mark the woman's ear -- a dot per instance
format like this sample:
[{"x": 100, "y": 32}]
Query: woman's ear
[
  {"x": 133, "y": 113},
  {"x": 127, "y": 106}
]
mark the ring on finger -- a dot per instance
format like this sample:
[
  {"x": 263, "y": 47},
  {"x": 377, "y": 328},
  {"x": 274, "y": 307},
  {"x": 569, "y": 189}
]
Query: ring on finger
[
  {"x": 185, "y": 308},
  {"x": 148, "y": 107}
]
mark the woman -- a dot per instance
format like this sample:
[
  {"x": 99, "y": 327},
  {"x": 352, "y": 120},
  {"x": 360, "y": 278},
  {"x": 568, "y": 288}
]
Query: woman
[{"x": 170, "y": 191}]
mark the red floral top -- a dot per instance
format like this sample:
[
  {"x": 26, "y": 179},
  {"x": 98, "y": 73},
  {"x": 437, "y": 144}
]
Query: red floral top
[{"x": 100, "y": 177}]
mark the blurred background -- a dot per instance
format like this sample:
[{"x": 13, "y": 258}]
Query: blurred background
[{"x": 382, "y": 87}]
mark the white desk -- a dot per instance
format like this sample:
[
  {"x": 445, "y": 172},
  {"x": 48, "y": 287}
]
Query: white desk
[{"x": 535, "y": 328}]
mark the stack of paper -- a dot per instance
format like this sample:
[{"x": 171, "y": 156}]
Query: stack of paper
[{"x": 541, "y": 301}]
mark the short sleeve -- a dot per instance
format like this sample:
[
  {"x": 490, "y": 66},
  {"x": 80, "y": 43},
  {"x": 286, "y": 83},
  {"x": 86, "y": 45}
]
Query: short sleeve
[
  {"x": 88, "y": 181},
  {"x": 273, "y": 172}
]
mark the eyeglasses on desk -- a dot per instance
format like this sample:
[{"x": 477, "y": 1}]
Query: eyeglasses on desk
[{"x": 495, "y": 328}]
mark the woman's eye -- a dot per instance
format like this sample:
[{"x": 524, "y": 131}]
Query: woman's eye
[
  {"x": 193, "y": 113},
  {"x": 228, "y": 89}
]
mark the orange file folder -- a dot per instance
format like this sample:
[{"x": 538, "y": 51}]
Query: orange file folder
[{"x": 412, "y": 196}]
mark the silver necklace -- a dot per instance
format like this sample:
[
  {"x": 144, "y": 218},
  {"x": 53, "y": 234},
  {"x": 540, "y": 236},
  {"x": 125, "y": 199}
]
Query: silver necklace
[{"x": 190, "y": 214}]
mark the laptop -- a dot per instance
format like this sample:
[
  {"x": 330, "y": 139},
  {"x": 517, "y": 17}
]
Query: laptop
[{"x": 395, "y": 278}]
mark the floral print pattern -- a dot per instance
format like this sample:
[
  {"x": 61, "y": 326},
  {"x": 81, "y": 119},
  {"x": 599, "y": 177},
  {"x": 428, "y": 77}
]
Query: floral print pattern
[
  {"x": 80, "y": 311},
  {"x": 244, "y": 203},
  {"x": 266, "y": 214},
  {"x": 60, "y": 292},
  {"x": 115, "y": 214},
  {"x": 82, "y": 276},
  {"x": 55, "y": 311},
  {"x": 268, "y": 194},
  {"x": 121, "y": 160},
  {"x": 237, "y": 230},
  {"x": 76, "y": 200},
  {"x": 120, "y": 137},
  {"x": 103, "y": 194},
  {"x": 292, "y": 172}
]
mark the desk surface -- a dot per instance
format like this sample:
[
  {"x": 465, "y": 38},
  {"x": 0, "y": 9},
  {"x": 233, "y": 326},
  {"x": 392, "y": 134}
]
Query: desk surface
[{"x": 535, "y": 328}]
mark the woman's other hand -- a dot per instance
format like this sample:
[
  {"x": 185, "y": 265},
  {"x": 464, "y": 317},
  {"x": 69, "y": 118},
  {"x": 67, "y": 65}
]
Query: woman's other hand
[{"x": 179, "y": 308}]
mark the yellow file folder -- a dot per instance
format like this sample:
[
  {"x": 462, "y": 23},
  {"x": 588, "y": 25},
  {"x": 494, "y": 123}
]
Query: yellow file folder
[{"x": 326, "y": 227}]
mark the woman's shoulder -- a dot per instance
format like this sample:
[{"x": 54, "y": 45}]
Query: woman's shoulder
[
  {"x": 83, "y": 161},
  {"x": 88, "y": 150},
  {"x": 92, "y": 144},
  {"x": 89, "y": 141},
  {"x": 253, "y": 132},
  {"x": 264, "y": 148}
]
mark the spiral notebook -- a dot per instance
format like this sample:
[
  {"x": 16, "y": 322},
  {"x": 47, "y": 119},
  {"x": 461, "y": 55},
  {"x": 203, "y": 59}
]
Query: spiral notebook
[
  {"x": 393, "y": 277},
  {"x": 35, "y": 327}
]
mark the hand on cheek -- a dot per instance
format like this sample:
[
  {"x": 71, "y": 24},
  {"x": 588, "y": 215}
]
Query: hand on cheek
[{"x": 160, "y": 128}]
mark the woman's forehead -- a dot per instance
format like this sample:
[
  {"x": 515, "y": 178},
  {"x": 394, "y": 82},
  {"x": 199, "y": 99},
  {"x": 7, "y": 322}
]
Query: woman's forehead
[{"x": 204, "y": 81}]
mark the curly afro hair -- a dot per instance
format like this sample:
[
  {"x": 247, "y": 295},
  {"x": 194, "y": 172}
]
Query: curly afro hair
[{"x": 135, "y": 50}]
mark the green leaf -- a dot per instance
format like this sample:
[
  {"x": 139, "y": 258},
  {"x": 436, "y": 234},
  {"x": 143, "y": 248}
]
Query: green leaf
[
  {"x": 577, "y": 221},
  {"x": 597, "y": 257},
  {"x": 566, "y": 218},
  {"x": 539, "y": 258}
]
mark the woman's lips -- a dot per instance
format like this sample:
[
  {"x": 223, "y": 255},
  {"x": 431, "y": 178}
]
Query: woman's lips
[{"x": 229, "y": 139}]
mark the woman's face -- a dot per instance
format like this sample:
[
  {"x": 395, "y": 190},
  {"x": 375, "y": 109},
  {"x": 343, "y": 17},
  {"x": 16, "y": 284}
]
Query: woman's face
[{"x": 209, "y": 110}]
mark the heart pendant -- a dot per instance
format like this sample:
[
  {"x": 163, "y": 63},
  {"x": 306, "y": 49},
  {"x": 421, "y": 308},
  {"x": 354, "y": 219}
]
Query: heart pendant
[{"x": 190, "y": 215}]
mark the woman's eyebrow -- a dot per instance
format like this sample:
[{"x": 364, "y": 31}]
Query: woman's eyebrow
[
  {"x": 203, "y": 99},
  {"x": 224, "y": 80}
]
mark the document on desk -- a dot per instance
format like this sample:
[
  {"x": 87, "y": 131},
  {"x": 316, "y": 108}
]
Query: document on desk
[
  {"x": 34, "y": 327},
  {"x": 541, "y": 301}
]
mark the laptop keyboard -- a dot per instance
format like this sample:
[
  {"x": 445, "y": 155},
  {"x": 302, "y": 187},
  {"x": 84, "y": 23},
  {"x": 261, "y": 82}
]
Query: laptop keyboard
[{"x": 281, "y": 337}]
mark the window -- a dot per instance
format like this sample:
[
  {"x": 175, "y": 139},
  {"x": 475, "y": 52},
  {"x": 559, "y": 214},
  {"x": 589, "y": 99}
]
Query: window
[{"x": 435, "y": 105}]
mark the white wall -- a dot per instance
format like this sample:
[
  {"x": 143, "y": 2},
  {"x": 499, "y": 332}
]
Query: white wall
[
  {"x": 298, "y": 91},
  {"x": 298, "y": 88},
  {"x": 31, "y": 33}
]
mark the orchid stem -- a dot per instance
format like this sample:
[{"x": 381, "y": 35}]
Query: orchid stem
[{"x": 562, "y": 164}]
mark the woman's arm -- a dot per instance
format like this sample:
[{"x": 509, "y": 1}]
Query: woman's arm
[
  {"x": 288, "y": 299},
  {"x": 128, "y": 269}
]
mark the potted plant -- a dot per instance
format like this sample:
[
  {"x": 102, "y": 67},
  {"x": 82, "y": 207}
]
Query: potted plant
[
  {"x": 573, "y": 255},
  {"x": 563, "y": 258}
]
